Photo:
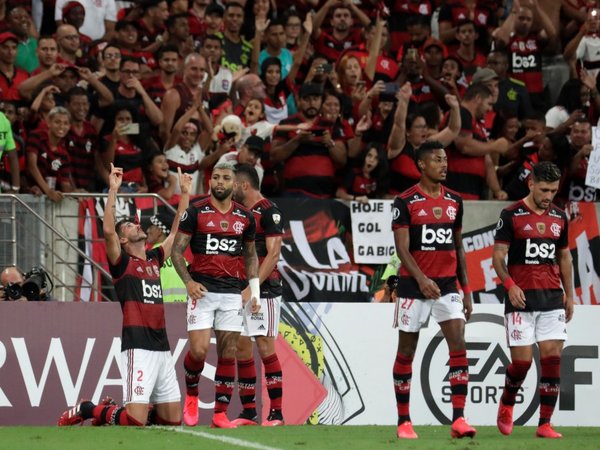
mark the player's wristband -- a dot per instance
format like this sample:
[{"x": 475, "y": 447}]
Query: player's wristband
[
  {"x": 466, "y": 289},
  {"x": 254, "y": 284},
  {"x": 508, "y": 283}
]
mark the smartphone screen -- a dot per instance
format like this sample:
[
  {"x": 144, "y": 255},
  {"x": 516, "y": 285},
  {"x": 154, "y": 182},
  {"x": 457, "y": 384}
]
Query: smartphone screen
[{"x": 131, "y": 128}]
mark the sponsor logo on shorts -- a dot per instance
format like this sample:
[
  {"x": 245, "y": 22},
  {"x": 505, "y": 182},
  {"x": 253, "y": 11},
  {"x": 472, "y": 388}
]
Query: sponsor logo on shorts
[
  {"x": 561, "y": 317},
  {"x": 262, "y": 327}
]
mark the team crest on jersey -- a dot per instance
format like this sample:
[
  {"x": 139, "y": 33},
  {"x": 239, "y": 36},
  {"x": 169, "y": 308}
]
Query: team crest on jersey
[
  {"x": 555, "y": 228},
  {"x": 238, "y": 227},
  {"x": 276, "y": 219},
  {"x": 451, "y": 212},
  {"x": 224, "y": 225},
  {"x": 149, "y": 270},
  {"x": 437, "y": 212},
  {"x": 541, "y": 227}
]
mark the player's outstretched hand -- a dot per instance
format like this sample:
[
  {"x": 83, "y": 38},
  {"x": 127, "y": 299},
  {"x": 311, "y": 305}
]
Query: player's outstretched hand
[
  {"x": 429, "y": 288},
  {"x": 115, "y": 178},
  {"x": 195, "y": 290},
  {"x": 185, "y": 181},
  {"x": 517, "y": 297}
]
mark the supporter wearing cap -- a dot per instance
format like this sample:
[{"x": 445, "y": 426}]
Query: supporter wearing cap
[
  {"x": 311, "y": 155},
  {"x": 249, "y": 153},
  {"x": 100, "y": 16},
  {"x": 214, "y": 18},
  {"x": 74, "y": 14},
  {"x": 126, "y": 36},
  {"x": 434, "y": 52},
  {"x": 10, "y": 75}
]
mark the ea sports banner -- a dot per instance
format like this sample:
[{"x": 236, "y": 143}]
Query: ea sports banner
[{"x": 336, "y": 361}]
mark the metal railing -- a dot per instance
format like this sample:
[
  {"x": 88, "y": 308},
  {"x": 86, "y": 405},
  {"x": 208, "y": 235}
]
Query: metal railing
[{"x": 51, "y": 236}]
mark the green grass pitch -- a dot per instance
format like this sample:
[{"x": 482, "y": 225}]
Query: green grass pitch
[{"x": 284, "y": 438}]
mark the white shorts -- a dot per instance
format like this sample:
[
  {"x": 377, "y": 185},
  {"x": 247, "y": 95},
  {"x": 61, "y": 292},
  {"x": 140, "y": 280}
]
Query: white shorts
[
  {"x": 527, "y": 328},
  {"x": 149, "y": 377},
  {"x": 215, "y": 310},
  {"x": 266, "y": 321},
  {"x": 412, "y": 313}
]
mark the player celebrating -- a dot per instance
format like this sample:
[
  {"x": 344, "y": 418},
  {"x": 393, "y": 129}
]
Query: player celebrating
[
  {"x": 427, "y": 232},
  {"x": 534, "y": 234},
  {"x": 145, "y": 355},
  {"x": 263, "y": 326},
  {"x": 220, "y": 231}
]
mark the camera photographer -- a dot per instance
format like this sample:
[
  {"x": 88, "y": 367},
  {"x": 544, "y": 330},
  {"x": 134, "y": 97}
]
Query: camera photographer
[{"x": 18, "y": 286}]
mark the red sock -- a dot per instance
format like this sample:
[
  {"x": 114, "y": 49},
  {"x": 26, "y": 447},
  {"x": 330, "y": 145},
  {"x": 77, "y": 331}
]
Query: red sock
[
  {"x": 402, "y": 379},
  {"x": 247, "y": 383},
  {"x": 114, "y": 415},
  {"x": 459, "y": 381},
  {"x": 193, "y": 369},
  {"x": 549, "y": 387},
  {"x": 515, "y": 375},
  {"x": 274, "y": 379},
  {"x": 224, "y": 382}
]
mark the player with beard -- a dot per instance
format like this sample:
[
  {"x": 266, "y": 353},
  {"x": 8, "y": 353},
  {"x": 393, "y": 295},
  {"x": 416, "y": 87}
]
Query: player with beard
[
  {"x": 145, "y": 354},
  {"x": 263, "y": 326},
  {"x": 427, "y": 230},
  {"x": 221, "y": 234},
  {"x": 313, "y": 154},
  {"x": 533, "y": 233}
]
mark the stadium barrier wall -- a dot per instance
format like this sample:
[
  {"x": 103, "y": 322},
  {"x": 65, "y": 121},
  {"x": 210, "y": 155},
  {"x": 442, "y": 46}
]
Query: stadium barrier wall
[{"x": 337, "y": 363}]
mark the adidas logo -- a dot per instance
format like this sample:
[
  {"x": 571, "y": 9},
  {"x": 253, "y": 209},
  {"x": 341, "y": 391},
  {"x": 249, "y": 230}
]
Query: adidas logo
[
  {"x": 140, "y": 270},
  {"x": 210, "y": 224},
  {"x": 527, "y": 228},
  {"x": 223, "y": 399},
  {"x": 422, "y": 213},
  {"x": 262, "y": 327}
]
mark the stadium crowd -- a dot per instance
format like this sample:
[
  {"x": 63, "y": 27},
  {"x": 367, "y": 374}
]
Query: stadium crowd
[{"x": 327, "y": 99}]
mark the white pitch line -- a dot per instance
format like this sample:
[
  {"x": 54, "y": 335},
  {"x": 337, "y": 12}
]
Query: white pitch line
[{"x": 224, "y": 439}]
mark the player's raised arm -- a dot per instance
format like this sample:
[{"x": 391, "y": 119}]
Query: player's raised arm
[
  {"x": 113, "y": 247},
  {"x": 185, "y": 182}
]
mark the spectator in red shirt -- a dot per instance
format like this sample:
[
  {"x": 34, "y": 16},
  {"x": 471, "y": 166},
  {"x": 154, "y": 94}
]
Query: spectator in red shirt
[
  {"x": 466, "y": 52},
  {"x": 342, "y": 36},
  {"x": 10, "y": 75},
  {"x": 48, "y": 162},
  {"x": 197, "y": 19}
]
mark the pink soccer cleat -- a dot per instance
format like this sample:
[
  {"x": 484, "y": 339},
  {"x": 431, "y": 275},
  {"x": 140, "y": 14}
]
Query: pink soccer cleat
[
  {"x": 190, "y": 410},
  {"x": 505, "y": 418},
  {"x": 406, "y": 431},
  {"x": 460, "y": 429},
  {"x": 546, "y": 431},
  {"x": 274, "y": 419},
  {"x": 220, "y": 420},
  {"x": 245, "y": 419}
]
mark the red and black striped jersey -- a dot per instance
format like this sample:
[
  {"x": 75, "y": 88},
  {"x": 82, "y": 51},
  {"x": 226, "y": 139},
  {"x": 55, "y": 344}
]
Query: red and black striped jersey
[
  {"x": 82, "y": 149},
  {"x": 51, "y": 163},
  {"x": 466, "y": 174},
  {"x": 431, "y": 224},
  {"x": 526, "y": 61},
  {"x": 137, "y": 284},
  {"x": 403, "y": 170},
  {"x": 217, "y": 241},
  {"x": 269, "y": 223},
  {"x": 534, "y": 240},
  {"x": 329, "y": 47},
  {"x": 310, "y": 169}
]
